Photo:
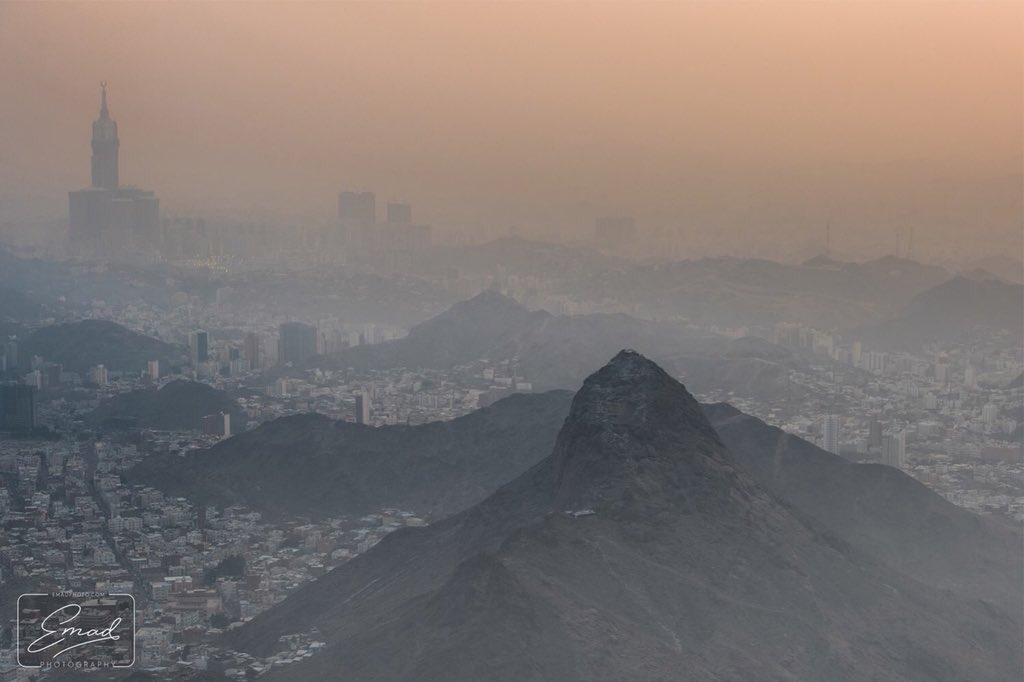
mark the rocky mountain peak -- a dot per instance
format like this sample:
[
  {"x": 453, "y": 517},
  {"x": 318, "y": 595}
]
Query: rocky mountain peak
[{"x": 635, "y": 437}]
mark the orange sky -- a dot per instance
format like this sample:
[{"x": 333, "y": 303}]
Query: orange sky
[{"x": 720, "y": 119}]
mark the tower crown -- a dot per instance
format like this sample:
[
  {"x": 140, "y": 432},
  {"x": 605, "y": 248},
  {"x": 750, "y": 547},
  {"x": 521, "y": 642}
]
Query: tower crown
[
  {"x": 104, "y": 113},
  {"x": 105, "y": 145}
]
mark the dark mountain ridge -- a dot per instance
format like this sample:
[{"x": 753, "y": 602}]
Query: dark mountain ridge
[
  {"x": 880, "y": 510},
  {"x": 81, "y": 345},
  {"x": 637, "y": 549},
  {"x": 178, "y": 405},
  {"x": 310, "y": 465}
]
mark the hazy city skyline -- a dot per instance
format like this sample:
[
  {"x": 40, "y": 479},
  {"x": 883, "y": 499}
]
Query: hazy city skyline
[
  {"x": 459, "y": 341},
  {"x": 739, "y": 127}
]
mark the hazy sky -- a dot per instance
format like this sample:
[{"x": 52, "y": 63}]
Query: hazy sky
[{"x": 737, "y": 123}]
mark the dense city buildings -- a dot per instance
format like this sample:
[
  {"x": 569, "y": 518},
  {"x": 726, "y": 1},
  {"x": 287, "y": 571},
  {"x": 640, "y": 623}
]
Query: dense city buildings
[{"x": 646, "y": 403}]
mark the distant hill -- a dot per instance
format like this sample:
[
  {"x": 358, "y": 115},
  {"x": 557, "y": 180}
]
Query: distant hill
[
  {"x": 742, "y": 292},
  {"x": 524, "y": 257},
  {"x": 558, "y": 351},
  {"x": 957, "y": 310},
  {"x": 81, "y": 345},
  {"x": 1005, "y": 267},
  {"x": 465, "y": 332},
  {"x": 637, "y": 549},
  {"x": 553, "y": 351},
  {"x": 178, "y": 405},
  {"x": 747, "y": 367},
  {"x": 821, "y": 292},
  {"x": 313, "y": 466}
]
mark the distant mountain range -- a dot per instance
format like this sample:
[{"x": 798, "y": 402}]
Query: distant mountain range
[
  {"x": 740, "y": 292},
  {"x": 642, "y": 548},
  {"x": 312, "y": 466},
  {"x": 558, "y": 351},
  {"x": 954, "y": 311},
  {"x": 81, "y": 345},
  {"x": 1005, "y": 267},
  {"x": 178, "y": 405}
]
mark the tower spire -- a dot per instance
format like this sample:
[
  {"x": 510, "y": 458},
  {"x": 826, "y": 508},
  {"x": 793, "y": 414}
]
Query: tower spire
[{"x": 104, "y": 146}]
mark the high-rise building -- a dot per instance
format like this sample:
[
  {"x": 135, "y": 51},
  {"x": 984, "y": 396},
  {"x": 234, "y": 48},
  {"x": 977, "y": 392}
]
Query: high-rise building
[
  {"x": 830, "y": 434},
  {"x": 894, "y": 449},
  {"x": 399, "y": 213},
  {"x": 297, "y": 342},
  {"x": 875, "y": 434},
  {"x": 105, "y": 146},
  {"x": 970, "y": 376},
  {"x": 217, "y": 424},
  {"x": 153, "y": 370},
  {"x": 17, "y": 407},
  {"x": 362, "y": 408},
  {"x": 98, "y": 374},
  {"x": 107, "y": 218},
  {"x": 251, "y": 351},
  {"x": 357, "y": 208},
  {"x": 199, "y": 347},
  {"x": 989, "y": 414},
  {"x": 11, "y": 354},
  {"x": 856, "y": 348}
]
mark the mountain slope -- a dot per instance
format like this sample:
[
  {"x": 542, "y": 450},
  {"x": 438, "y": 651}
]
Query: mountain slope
[
  {"x": 739, "y": 292},
  {"x": 954, "y": 311},
  {"x": 81, "y": 345},
  {"x": 674, "y": 562},
  {"x": 463, "y": 333},
  {"x": 313, "y": 466},
  {"x": 553, "y": 351},
  {"x": 179, "y": 405},
  {"x": 879, "y": 510}
]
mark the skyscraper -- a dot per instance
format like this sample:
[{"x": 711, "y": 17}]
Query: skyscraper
[
  {"x": 98, "y": 375},
  {"x": 17, "y": 408},
  {"x": 106, "y": 218},
  {"x": 251, "y": 351},
  {"x": 11, "y": 354},
  {"x": 830, "y": 434},
  {"x": 875, "y": 434},
  {"x": 362, "y": 408},
  {"x": 105, "y": 146},
  {"x": 297, "y": 342},
  {"x": 357, "y": 208},
  {"x": 894, "y": 449},
  {"x": 199, "y": 347},
  {"x": 399, "y": 213}
]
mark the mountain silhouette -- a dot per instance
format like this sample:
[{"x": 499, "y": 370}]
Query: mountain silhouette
[{"x": 637, "y": 550}]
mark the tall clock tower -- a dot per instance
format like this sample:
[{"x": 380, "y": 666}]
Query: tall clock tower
[{"x": 104, "y": 146}]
